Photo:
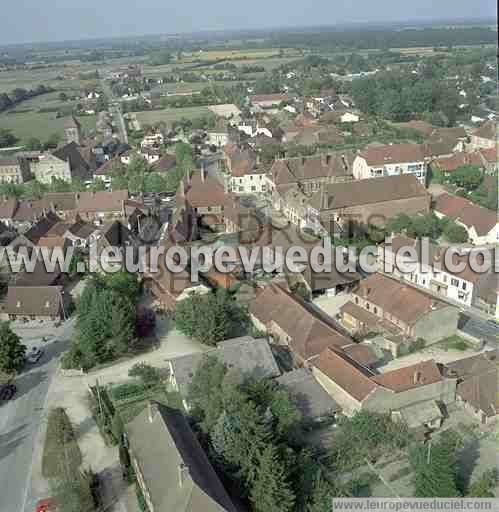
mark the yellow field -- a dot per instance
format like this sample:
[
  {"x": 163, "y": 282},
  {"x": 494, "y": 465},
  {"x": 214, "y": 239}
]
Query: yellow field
[{"x": 232, "y": 54}]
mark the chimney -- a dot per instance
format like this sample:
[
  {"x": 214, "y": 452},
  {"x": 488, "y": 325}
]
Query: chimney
[
  {"x": 258, "y": 160},
  {"x": 152, "y": 409},
  {"x": 202, "y": 174},
  {"x": 324, "y": 200},
  {"x": 417, "y": 377},
  {"x": 182, "y": 188},
  {"x": 303, "y": 160},
  {"x": 183, "y": 473}
]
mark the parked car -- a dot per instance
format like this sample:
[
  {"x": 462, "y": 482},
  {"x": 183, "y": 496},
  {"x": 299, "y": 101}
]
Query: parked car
[
  {"x": 46, "y": 505},
  {"x": 34, "y": 355},
  {"x": 7, "y": 391}
]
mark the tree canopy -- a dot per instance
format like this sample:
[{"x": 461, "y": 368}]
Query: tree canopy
[
  {"x": 211, "y": 317},
  {"x": 12, "y": 351}
]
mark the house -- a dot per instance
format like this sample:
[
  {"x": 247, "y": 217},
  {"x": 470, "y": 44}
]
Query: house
[
  {"x": 35, "y": 303},
  {"x": 311, "y": 173},
  {"x": 292, "y": 325},
  {"x": 488, "y": 296},
  {"x": 477, "y": 385},
  {"x": 152, "y": 140},
  {"x": 308, "y": 396},
  {"x": 462, "y": 287},
  {"x": 485, "y": 137},
  {"x": 448, "y": 165},
  {"x": 101, "y": 205},
  {"x": 490, "y": 160},
  {"x": 65, "y": 163},
  {"x": 150, "y": 155},
  {"x": 38, "y": 230},
  {"x": 171, "y": 468},
  {"x": 8, "y": 207},
  {"x": 82, "y": 234},
  {"x": 14, "y": 170},
  {"x": 391, "y": 160},
  {"x": 480, "y": 223},
  {"x": 383, "y": 304},
  {"x": 204, "y": 193},
  {"x": 246, "y": 356},
  {"x": 366, "y": 202},
  {"x": 167, "y": 287},
  {"x": 265, "y": 101},
  {"x": 72, "y": 130},
  {"x": 246, "y": 176},
  {"x": 165, "y": 164},
  {"x": 357, "y": 388}
]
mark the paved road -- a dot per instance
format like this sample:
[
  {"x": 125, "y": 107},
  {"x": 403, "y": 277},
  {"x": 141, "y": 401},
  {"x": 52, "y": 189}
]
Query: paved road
[
  {"x": 115, "y": 111},
  {"x": 20, "y": 422},
  {"x": 479, "y": 328}
]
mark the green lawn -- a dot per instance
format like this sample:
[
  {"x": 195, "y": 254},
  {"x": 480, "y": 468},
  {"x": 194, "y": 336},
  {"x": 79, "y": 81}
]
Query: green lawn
[
  {"x": 170, "y": 114},
  {"x": 40, "y": 125}
]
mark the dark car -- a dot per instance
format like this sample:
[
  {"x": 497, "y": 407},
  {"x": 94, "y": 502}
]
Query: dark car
[{"x": 7, "y": 391}]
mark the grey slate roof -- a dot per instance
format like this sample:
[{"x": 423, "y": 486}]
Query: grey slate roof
[
  {"x": 307, "y": 394},
  {"x": 176, "y": 471},
  {"x": 248, "y": 355}
]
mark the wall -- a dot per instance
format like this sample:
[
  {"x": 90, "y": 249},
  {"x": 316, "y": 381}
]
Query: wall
[
  {"x": 385, "y": 400},
  {"x": 348, "y": 403},
  {"x": 379, "y": 211},
  {"x": 437, "y": 324},
  {"x": 49, "y": 167}
]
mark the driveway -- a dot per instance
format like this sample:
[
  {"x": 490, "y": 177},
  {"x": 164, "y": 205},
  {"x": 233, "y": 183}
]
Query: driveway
[
  {"x": 172, "y": 343},
  {"x": 22, "y": 420}
]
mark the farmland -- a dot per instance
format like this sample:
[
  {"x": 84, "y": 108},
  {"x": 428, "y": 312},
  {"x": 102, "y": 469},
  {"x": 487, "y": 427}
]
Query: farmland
[
  {"x": 40, "y": 125},
  {"x": 169, "y": 115}
]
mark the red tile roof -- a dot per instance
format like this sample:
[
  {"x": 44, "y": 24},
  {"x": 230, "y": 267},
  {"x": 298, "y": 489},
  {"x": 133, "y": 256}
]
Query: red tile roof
[
  {"x": 393, "y": 153},
  {"x": 466, "y": 212},
  {"x": 353, "y": 378},
  {"x": 409, "y": 377}
]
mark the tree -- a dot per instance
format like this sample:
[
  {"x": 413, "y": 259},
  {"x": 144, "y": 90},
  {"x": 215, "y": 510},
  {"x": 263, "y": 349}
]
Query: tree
[
  {"x": 270, "y": 489},
  {"x": 435, "y": 469},
  {"x": 53, "y": 140},
  {"x": 7, "y": 139},
  {"x": 63, "y": 96},
  {"x": 12, "y": 351},
  {"x": 467, "y": 176},
  {"x": 149, "y": 375},
  {"x": 33, "y": 144},
  {"x": 212, "y": 317},
  {"x": 485, "y": 485},
  {"x": 455, "y": 233}
]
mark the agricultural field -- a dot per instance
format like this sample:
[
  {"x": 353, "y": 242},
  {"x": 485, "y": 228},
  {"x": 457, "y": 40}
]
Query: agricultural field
[
  {"x": 170, "y": 114},
  {"x": 40, "y": 125},
  {"x": 60, "y": 78},
  {"x": 211, "y": 55}
]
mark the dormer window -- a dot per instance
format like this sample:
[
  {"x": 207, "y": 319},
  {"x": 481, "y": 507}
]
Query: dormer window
[
  {"x": 47, "y": 304},
  {"x": 18, "y": 304}
]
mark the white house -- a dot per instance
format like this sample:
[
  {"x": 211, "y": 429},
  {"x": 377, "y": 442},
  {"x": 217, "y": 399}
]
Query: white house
[
  {"x": 349, "y": 117},
  {"x": 152, "y": 140},
  {"x": 428, "y": 269},
  {"x": 480, "y": 223},
  {"x": 391, "y": 160}
]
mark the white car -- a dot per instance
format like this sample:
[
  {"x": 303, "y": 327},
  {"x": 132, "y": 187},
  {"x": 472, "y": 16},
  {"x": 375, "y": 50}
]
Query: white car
[{"x": 34, "y": 355}]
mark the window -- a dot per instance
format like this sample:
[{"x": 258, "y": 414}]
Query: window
[
  {"x": 375, "y": 310},
  {"x": 464, "y": 285},
  {"x": 454, "y": 282},
  {"x": 356, "y": 300},
  {"x": 368, "y": 306}
]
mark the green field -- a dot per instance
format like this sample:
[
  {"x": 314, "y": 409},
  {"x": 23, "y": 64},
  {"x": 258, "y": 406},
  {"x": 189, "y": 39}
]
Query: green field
[
  {"x": 170, "y": 114},
  {"x": 40, "y": 125}
]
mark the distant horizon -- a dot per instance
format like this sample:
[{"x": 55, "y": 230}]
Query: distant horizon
[{"x": 131, "y": 31}]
